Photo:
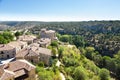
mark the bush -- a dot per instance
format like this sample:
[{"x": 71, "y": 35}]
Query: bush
[
  {"x": 104, "y": 74},
  {"x": 80, "y": 73}
]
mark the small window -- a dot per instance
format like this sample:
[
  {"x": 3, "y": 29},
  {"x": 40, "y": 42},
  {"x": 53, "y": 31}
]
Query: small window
[
  {"x": 32, "y": 61},
  {"x": 21, "y": 47},
  {"x": 8, "y": 56},
  {"x": 2, "y": 52}
]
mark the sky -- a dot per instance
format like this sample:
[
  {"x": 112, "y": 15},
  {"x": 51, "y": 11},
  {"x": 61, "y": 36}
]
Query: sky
[{"x": 59, "y": 10}]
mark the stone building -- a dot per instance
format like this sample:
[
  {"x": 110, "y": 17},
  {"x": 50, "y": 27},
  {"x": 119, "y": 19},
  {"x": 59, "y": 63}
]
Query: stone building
[
  {"x": 35, "y": 54},
  {"x": 17, "y": 70},
  {"x": 47, "y": 34},
  {"x": 27, "y": 38},
  {"x": 18, "y": 45},
  {"x": 44, "y": 42},
  {"x": 29, "y": 55},
  {"x": 7, "y": 51}
]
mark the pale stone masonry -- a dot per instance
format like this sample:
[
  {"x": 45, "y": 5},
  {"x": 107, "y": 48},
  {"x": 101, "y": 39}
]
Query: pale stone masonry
[
  {"x": 47, "y": 34},
  {"x": 44, "y": 42},
  {"x": 17, "y": 70},
  {"x": 10, "y": 50},
  {"x": 7, "y": 51},
  {"x": 27, "y": 38},
  {"x": 35, "y": 54},
  {"x": 18, "y": 45}
]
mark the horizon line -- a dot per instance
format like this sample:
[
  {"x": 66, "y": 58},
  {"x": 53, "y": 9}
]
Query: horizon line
[{"x": 53, "y": 21}]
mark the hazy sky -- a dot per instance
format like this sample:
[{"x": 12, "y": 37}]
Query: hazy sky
[{"x": 59, "y": 10}]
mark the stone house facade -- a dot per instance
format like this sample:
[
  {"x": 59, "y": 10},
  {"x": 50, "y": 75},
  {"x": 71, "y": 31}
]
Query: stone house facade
[
  {"x": 6, "y": 51},
  {"x": 47, "y": 34},
  {"x": 35, "y": 54},
  {"x": 18, "y": 45},
  {"x": 27, "y": 38}
]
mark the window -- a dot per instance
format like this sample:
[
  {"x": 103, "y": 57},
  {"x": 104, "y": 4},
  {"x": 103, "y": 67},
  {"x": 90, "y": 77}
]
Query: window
[
  {"x": 22, "y": 47},
  {"x": 32, "y": 61},
  {"x": 8, "y": 56},
  {"x": 2, "y": 52}
]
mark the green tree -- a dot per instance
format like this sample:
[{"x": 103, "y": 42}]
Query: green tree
[
  {"x": 6, "y": 37},
  {"x": 104, "y": 74},
  {"x": 78, "y": 41},
  {"x": 64, "y": 38},
  {"x": 80, "y": 73},
  {"x": 109, "y": 63},
  {"x": 54, "y": 51},
  {"x": 54, "y": 43},
  {"x": 17, "y": 33},
  {"x": 60, "y": 51}
]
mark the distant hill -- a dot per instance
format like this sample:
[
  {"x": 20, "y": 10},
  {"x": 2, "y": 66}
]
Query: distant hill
[
  {"x": 17, "y": 24},
  {"x": 3, "y": 27}
]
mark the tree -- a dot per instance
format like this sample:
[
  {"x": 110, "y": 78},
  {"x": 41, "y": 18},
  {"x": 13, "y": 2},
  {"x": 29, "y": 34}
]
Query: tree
[
  {"x": 17, "y": 33},
  {"x": 90, "y": 49},
  {"x": 2, "y": 40},
  {"x": 64, "y": 38},
  {"x": 78, "y": 41},
  {"x": 54, "y": 51},
  {"x": 104, "y": 74},
  {"x": 109, "y": 63},
  {"x": 98, "y": 59},
  {"x": 80, "y": 74},
  {"x": 60, "y": 51},
  {"x": 6, "y": 37},
  {"x": 54, "y": 43},
  {"x": 118, "y": 71},
  {"x": 90, "y": 52}
]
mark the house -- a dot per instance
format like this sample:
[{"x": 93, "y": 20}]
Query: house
[
  {"x": 27, "y": 38},
  {"x": 18, "y": 45},
  {"x": 35, "y": 54},
  {"x": 47, "y": 34},
  {"x": 17, "y": 70},
  {"x": 29, "y": 55},
  {"x": 44, "y": 53},
  {"x": 7, "y": 51},
  {"x": 44, "y": 42}
]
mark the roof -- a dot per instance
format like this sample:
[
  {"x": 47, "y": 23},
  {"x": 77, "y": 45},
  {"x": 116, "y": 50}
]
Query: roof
[
  {"x": 22, "y": 53},
  {"x": 33, "y": 50},
  {"x": 43, "y": 29},
  {"x": 7, "y": 74},
  {"x": 27, "y": 37},
  {"x": 26, "y": 52},
  {"x": 19, "y": 64},
  {"x": 34, "y": 44},
  {"x": 17, "y": 43},
  {"x": 47, "y": 31},
  {"x": 40, "y": 50},
  {"x": 50, "y": 31},
  {"x": 45, "y": 51},
  {"x": 16, "y": 69},
  {"x": 44, "y": 40},
  {"x": 19, "y": 72},
  {"x": 5, "y": 47}
]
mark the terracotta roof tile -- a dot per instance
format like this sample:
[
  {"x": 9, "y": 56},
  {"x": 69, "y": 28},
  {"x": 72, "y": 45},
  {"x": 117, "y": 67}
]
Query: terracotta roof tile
[
  {"x": 5, "y": 47},
  {"x": 16, "y": 68}
]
